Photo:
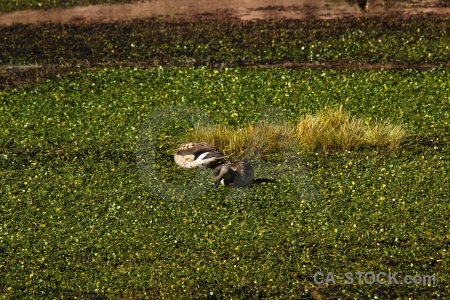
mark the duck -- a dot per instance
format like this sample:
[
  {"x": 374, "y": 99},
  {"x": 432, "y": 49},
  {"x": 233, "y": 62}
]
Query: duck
[
  {"x": 235, "y": 173},
  {"x": 198, "y": 154}
]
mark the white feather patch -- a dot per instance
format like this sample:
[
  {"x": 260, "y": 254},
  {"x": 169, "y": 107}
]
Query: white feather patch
[
  {"x": 202, "y": 156},
  {"x": 197, "y": 162}
]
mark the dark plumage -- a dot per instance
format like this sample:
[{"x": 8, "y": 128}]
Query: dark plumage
[
  {"x": 235, "y": 173},
  {"x": 198, "y": 154}
]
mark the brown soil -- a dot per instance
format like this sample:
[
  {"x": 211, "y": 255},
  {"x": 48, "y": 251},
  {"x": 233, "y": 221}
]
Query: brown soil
[{"x": 231, "y": 9}]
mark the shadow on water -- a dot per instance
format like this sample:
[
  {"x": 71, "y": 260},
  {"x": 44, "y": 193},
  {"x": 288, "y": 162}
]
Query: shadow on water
[{"x": 263, "y": 180}]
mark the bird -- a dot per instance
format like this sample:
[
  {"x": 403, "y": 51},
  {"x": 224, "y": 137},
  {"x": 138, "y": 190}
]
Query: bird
[
  {"x": 235, "y": 173},
  {"x": 198, "y": 154}
]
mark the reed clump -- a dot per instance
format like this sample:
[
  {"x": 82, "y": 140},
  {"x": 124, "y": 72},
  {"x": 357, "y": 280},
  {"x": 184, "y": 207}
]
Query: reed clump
[
  {"x": 250, "y": 139},
  {"x": 327, "y": 130}
]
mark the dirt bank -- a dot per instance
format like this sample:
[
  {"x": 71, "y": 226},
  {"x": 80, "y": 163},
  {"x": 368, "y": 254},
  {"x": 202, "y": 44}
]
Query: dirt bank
[{"x": 231, "y": 9}]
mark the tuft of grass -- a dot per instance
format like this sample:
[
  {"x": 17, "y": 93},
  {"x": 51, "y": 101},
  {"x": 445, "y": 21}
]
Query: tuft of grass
[
  {"x": 252, "y": 140},
  {"x": 225, "y": 138},
  {"x": 270, "y": 138},
  {"x": 335, "y": 129},
  {"x": 385, "y": 134},
  {"x": 329, "y": 129}
]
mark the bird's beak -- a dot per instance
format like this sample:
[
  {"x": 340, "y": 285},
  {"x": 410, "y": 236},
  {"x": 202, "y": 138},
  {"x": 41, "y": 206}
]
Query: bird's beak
[{"x": 216, "y": 184}]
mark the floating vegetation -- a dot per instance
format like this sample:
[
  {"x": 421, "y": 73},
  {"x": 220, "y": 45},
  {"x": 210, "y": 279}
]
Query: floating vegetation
[
  {"x": 394, "y": 42},
  {"x": 78, "y": 220}
]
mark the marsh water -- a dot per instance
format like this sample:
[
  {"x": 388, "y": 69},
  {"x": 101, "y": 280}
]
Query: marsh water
[{"x": 231, "y": 9}]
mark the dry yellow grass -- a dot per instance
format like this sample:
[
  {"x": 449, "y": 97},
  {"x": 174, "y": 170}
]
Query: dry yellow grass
[
  {"x": 251, "y": 139},
  {"x": 329, "y": 129},
  {"x": 335, "y": 129},
  {"x": 385, "y": 135}
]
